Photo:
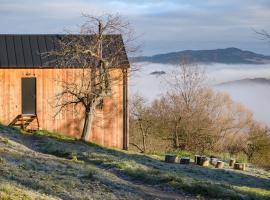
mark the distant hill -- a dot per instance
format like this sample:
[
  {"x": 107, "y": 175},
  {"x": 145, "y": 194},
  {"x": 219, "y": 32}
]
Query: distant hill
[
  {"x": 262, "y": 81},
  {"x": 226, "y": 56}
]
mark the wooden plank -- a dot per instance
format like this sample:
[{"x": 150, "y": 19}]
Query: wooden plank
[{"x": 108, "y": 128}]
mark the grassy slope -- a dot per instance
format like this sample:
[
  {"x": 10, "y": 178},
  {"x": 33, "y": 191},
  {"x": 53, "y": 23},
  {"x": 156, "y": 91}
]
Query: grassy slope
[{"x": 44, "y": 167}]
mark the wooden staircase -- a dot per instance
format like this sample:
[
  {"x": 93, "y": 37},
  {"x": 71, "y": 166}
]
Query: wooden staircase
[{"x": 26, "y": 122}]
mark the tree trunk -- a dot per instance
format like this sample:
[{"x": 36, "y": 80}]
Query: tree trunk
[
  {"x": 87, "y": 126},
  {"x": 143, "y": 136},
  {"x": 232, "y": 162},
  {"x": 220, "y": 164},
  {"x": 176, "y": 139},
  {"x": 184, "y": 161},
  {"x": 144, "y": 143},
  {"x": 137, "y": 146},
  {"x": 170, "y": 158},
  {"x": 240, "y": 166},
  {"x": 204, "y": 161}
]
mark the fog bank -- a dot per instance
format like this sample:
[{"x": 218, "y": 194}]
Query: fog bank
[{"x": 255, "y": 96}]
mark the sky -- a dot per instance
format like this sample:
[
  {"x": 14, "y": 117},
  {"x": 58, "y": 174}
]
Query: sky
[{"x": 162, "y": 25}]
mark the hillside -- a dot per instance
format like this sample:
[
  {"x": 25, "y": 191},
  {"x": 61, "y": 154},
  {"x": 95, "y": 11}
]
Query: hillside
[
  {"x": 243, "y": 91},
  {"x": 247, "y": 81},
  {"x": 49, "y": 167},
  {"x": 225, "y": 56}
]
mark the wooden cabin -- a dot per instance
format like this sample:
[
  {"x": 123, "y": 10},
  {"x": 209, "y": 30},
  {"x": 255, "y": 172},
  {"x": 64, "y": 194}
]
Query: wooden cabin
[{"x": 28, "y": 87}]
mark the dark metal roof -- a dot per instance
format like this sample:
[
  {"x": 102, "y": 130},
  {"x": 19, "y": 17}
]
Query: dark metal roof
[{"x": 27, "y": 51}]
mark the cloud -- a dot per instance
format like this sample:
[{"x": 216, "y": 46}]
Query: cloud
[
  {"x": 255, "y": 97},
  {"x": 218, "y": 73},
  {"x": 168, "y": 24}
]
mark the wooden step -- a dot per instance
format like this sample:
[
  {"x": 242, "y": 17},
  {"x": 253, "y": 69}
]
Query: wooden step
[{"x": 23, "y": 121}]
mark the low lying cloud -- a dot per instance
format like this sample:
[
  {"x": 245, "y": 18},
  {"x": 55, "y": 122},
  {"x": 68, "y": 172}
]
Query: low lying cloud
[
  {"x": 255, "y": 97},
  {"x": 218, "y": 73}
]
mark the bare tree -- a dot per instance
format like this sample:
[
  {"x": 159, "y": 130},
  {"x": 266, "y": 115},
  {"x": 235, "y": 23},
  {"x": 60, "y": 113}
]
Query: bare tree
[
  {"x": 97, "y": 49},
  {"x": 198, "y": 117},
  {"x": 184, "y": 86},
  {"x": 186, "y": 80},
  {"x": 141, "y": 120}
]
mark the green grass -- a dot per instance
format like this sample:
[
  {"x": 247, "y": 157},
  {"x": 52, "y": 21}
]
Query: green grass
[
  {"x": 59, "y": 164},
  {"x": 54, "y": 135},
  {"x": 11, "y": 192},
  {"x": 180, "y": 181},
  {"x": 179, "y": 153},
  {"x": 258, "y": 191}
]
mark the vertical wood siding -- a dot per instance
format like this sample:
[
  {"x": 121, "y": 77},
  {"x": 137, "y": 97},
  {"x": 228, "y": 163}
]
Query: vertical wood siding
[{"x": 108, "y": 122}]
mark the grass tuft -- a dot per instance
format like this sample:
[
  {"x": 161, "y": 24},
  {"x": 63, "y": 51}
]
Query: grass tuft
[{"x": 52, "y": 135}]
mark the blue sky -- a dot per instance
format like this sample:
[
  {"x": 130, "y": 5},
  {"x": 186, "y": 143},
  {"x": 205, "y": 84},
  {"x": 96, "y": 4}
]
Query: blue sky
[{"x": 165, "y": 25}]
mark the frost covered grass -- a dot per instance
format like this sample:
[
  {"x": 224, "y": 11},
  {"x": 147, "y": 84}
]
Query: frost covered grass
[
  {"x": 51, "y": 166},
  {"x": 206, "y": 182},
  {"x": 11, "y": 192}
]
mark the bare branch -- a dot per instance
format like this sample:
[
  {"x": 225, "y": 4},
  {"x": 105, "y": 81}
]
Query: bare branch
[{"x": 98, "y": 49}]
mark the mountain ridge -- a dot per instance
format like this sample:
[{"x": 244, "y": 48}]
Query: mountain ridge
[
  {"x": 264, "y": 81},
  {"x": 229, "y": 55}
]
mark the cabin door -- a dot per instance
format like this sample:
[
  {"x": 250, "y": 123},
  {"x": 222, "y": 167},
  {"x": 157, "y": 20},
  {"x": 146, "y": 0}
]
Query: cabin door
[{"x": 29, "y": 96}]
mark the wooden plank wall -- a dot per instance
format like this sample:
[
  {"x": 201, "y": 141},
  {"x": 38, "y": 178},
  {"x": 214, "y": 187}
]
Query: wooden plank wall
[{"x": 108, "y": 122}]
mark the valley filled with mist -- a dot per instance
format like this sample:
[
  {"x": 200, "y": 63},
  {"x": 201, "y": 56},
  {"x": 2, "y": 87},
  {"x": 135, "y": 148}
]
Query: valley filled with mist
[{"x": 248, "y": 84}]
